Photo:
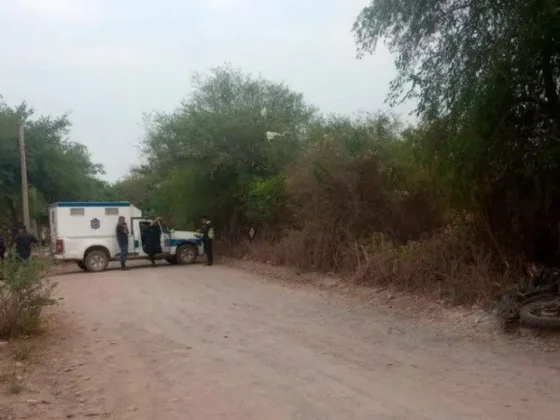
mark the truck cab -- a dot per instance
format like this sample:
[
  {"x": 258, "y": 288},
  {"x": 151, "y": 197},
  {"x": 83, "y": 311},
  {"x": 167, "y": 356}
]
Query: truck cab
[
  {"x": 177, "y": 247},
  {"x": 85, "y": 232}
]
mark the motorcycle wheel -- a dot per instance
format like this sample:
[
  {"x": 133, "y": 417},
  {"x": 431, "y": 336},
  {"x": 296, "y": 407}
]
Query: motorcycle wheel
[
  {"x": 544, "y": 313},
  {"x": 507, "y": 308}
]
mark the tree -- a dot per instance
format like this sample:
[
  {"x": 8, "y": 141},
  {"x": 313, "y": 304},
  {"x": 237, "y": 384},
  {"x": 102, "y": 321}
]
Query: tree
[
  {"x": 212, "y": 154},
  {"x": 487, "y": 74},
  {"x": 58, "y": 169}
]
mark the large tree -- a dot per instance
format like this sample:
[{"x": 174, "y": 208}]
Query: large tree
[
  {"x": 486, "y": 75},
  {"x": 212, "y": 154},
  {"x": 58, "y": 169}
]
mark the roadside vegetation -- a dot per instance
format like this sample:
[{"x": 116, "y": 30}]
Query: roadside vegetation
[
  {"x": 58, "y": 169},
  {"x": 25, "y": 291},
  {"x": 451, "y": 207}
]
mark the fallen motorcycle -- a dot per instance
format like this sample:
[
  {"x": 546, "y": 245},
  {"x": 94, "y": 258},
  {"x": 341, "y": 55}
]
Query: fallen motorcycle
[{"x": 537, "y": 306}]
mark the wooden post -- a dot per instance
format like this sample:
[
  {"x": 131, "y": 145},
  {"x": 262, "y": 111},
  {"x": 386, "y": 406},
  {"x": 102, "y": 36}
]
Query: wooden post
[{"x": 24, "y": 186}]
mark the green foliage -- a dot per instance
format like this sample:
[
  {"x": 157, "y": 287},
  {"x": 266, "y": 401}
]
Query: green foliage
[
  {"x": 485, "y": 74},
  {"x": 24, "y": 292},
  {"x": 331, "y": 176},
  {"x": 208, "y": 156},
  {"x": 267, "y": 200},
  {"x": 449, "y": 54},
  {"x": 58, "y": 169}
]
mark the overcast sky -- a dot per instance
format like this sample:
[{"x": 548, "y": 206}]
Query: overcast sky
[{"x": 109, "y": 61}]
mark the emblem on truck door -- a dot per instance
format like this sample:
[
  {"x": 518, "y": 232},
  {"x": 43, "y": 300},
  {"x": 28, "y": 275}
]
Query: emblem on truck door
[{"x": 95, "y": 223}]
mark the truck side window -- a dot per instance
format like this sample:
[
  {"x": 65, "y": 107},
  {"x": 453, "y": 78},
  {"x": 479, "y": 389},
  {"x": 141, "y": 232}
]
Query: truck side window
[
  {"x": 77, "y": 212},
  {"x": 112, "y": 211}
]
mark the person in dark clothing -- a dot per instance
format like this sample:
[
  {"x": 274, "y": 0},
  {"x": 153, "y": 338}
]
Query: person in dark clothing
[
  {"x": 2, "y": 246},
  {"x": 122, "y": 239},
  {"x": 23, "y": 242},
  {"x": 153, "y": 241},
  {"x": 207, "y": 239}
]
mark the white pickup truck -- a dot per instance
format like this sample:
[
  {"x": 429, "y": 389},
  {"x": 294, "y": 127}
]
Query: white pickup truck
[{"x": 85, "y": 232}]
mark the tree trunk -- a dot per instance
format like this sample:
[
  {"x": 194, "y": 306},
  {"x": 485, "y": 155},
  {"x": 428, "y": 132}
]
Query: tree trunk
[{"x": 548, "y": 80}]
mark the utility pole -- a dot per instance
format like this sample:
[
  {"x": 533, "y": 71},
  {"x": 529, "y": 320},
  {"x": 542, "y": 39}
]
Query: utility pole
[{"x": 24, "y": 186}]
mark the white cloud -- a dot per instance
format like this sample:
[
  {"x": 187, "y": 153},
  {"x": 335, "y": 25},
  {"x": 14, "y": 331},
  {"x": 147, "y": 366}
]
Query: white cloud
[{"x": 71, "y": 11}]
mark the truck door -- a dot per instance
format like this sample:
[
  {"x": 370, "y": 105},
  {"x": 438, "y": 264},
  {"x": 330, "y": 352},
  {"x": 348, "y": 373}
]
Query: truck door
[
  {"x": 165, "y": 238},
  {"x": 139, "y": 228}
]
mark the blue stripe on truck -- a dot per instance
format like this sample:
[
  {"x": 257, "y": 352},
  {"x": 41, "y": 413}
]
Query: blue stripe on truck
[
  {"x": 179, "y": 242},
  {"x": 92, "y": 204}
]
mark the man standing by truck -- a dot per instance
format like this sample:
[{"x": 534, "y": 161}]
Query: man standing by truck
[
  {"x": 122, "y": 239},
  {"x": 153, "y": 240},
  {"x": 207, "y": 239}
]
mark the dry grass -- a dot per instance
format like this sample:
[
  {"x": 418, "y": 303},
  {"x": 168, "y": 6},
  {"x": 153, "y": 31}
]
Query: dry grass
[
  {"x": 447, "y": 266},
  {"x": 450, "y": 265}
]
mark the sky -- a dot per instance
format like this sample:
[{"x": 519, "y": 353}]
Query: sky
[{"x": 107, "y": 62}]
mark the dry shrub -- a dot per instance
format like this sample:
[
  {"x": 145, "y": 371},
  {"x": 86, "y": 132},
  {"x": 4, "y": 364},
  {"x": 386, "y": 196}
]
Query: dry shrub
[
  {"x": 451, "y": 265},
  {"x": 364, "y": 208},
  {"x": 308, "y": 249},
  {"x": 349, "y": 186},
  {"x": 25, "y": 291}
]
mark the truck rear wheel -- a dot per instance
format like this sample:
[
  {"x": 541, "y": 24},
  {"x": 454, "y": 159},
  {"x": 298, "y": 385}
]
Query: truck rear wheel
[
  {"x": 186, "y": 254},
  {"x": 96, "y": 261}
]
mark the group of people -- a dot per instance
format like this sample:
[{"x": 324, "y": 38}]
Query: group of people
[
  {"x": 23, "y": 243},
  {"x": 151, "y": 240}
]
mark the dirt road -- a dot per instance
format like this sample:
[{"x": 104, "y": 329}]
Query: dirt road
[{"x": 219, "y": 343}]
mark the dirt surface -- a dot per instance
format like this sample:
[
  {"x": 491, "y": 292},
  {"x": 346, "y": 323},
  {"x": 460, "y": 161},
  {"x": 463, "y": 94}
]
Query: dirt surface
[{"x": 221, "y": 343}]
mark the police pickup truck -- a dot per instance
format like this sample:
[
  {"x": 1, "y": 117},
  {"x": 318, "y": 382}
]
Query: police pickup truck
[{"x": 85, "y": 232}]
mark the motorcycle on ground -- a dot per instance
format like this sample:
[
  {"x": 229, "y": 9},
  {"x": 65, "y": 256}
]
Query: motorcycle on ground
[{"x": 537, "y": 305}]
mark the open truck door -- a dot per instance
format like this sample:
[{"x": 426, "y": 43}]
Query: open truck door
[
  {"x": 140, "y": 227},
  {"x": 165, "y": 238}
]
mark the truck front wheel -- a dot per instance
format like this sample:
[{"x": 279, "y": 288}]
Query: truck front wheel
[
  {"x": 96, "y": 261},
  {"x": 186, "y": 254}
]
